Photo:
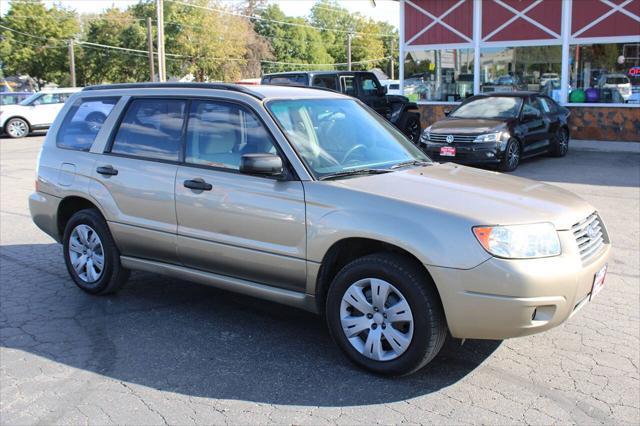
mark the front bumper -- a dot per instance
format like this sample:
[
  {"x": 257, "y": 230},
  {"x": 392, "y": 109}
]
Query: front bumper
[
  {"x": 466, "y": 153},
  {"x": 504, "y": 298}
]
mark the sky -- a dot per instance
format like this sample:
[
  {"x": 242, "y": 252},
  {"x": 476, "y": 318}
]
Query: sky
[{"x": 385, "y": 10}]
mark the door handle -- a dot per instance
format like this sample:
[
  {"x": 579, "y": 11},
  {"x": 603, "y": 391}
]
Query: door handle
[
  {"x": 107, "y": 170},
  {"x": 198, "y": 185}
]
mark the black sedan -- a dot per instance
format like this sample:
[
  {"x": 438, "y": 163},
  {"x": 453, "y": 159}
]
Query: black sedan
[{"x": 499, "y": 129}]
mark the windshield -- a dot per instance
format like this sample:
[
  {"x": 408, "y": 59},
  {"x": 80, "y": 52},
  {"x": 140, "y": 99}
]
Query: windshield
[
  {"x": 30, "y": 99},
  {"x": 490, "y": 107},
  {"x": 335, "y": 136}
]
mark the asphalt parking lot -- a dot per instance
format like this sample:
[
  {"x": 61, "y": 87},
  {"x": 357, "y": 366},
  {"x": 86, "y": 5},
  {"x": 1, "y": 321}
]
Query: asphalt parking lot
[{"x": 167, "y": 351}]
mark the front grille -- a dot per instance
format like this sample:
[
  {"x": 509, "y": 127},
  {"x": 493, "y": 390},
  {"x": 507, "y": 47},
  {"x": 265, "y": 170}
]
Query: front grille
[
  {"x": 589, "y": 235},
  {"x": 442, "y": 138}
]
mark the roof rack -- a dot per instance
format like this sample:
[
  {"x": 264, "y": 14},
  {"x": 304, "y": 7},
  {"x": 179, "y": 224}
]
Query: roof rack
[{"x": 217, "y": 86}]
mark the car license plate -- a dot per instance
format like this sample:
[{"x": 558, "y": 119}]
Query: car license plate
[
  {"x": 598, "y": 281},
  {"x": 448, "y": 151}
]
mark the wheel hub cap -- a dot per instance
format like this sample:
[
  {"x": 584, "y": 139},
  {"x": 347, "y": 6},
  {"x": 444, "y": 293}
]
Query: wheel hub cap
[
  {"x": 86, "y": 253},
  {"x": 376, "y": 319}
]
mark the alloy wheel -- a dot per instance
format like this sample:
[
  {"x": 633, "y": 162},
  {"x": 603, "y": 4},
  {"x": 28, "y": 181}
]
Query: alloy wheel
[
  {"x": 563, "y": 141},
  {"x": 86, "y": 253},
  {"x": 376, "y": 319},
  {"x": 17, "y": 128},
  {"x": 513, "y": 155}
]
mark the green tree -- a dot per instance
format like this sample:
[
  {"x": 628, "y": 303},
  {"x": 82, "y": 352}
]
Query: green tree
[
  {"x": 102, "y": 65},
  {"x": 297, "y": 43},
  {"x": 36, "y": 41}
]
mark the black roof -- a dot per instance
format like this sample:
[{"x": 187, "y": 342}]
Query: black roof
[
  {"x": 216, "y": 86},
  {"x": 317, "y": 73}
]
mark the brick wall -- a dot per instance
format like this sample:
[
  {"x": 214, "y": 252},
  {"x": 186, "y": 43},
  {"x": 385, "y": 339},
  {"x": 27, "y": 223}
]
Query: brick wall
[{"x": 596, "y": 123}]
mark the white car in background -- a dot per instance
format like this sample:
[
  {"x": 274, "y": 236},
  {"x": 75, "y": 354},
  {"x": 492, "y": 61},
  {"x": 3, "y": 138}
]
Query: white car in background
[
  {"x": 620, "y": 82},
  {"x": 37, "y": 112},
  {"x": 549, "y": 77},
  {"x": 393, "y": 86}
]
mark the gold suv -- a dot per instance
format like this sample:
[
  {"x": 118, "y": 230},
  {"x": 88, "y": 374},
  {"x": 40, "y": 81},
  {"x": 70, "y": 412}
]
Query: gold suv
[{"x": 309, "y": 198}]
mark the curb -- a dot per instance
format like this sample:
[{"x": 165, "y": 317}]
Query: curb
[{"x": 605, "y": 146}]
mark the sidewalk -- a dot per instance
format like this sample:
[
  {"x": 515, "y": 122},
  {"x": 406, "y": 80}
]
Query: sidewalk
[{"x": 604, "y": 146}]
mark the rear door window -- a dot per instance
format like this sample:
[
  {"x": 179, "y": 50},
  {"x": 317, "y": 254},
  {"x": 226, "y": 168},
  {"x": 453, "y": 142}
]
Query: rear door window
[
  {"x": 348, "y": 86},
  {"x": 152, "y": 129},
  {"x": 328, "y": 81},
  {"x": 83, "y": 122}
]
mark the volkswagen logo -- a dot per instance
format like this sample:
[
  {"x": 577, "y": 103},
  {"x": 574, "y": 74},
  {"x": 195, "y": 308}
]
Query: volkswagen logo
[
  {"x": 592, "y": 231},
  {"x": 449, "y": 138}
]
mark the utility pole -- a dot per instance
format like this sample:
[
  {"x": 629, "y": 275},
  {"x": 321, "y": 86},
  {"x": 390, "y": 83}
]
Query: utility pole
[
  {"x": 72, "y": 64},
  {"x": 150, "y": 50},
  {"x": 392, "y": 64},
  {"x": 349, "y": 51},
  {"x": 162, "y": 70}
]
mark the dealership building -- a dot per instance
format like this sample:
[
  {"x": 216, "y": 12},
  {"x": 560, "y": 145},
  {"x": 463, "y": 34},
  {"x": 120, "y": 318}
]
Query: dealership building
[{"x": 585, "y": 54}]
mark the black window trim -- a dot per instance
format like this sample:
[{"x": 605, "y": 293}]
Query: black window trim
[
  {"x": 289, "y": 171},
  {"x": 82, "y": 100}
]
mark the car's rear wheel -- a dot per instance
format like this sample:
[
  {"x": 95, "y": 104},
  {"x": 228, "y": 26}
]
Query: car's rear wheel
[
  {"x": 385, "y": 314},
  {"x": 560, "y": 144},
  {"x": 512, "y": 154},
  {"x": 17, "y": 128},
  {"x": 91, "y": 255}
]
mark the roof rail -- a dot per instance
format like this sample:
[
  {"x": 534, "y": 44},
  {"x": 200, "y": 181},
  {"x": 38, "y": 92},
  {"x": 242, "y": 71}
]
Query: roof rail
[{"x": 148, "y": 85}]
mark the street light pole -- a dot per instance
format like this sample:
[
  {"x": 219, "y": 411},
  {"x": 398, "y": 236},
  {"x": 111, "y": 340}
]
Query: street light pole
[
  {"x": 162, "y": 71},
  {"x": 150, "y": 50},
  {"x": 72, "y": 64},
  {"x": 349, "y": 51}
]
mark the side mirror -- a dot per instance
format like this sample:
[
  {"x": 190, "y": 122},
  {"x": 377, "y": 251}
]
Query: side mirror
[
  {"x": 382, "y": 90},
  {"x": 447, "y": 112},
  {"x": 261, "y": 164}
]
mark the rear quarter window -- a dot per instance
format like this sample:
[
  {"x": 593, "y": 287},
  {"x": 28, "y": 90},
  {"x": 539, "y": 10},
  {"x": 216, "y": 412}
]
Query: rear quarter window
[{"x": 83, "y": 122}]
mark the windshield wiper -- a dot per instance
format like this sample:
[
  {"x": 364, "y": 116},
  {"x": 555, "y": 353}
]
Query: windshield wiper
[
  {"x": 347, "y": 173},
  {"x": 411, "y": 163}
]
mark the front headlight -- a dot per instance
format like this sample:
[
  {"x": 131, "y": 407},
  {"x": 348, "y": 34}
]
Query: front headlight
[
  {"x": 492, "y": 137},
  {"x": 426, "y": 134},
  {"x": 519, "y": 241}
]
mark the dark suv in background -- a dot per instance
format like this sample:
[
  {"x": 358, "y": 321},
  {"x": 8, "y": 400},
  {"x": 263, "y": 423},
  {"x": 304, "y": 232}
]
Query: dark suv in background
[{"x": 362, "y": 85}]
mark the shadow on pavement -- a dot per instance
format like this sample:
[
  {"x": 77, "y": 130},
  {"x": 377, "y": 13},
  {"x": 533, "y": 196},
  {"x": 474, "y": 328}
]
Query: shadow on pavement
[{"x": 181, "y": 337}]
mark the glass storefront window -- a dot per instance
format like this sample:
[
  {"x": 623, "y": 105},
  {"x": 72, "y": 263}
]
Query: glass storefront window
[
  {"x": 605, "y": 73},
  {"x": 444, "y": 75},
  {"x": 534, "y": 68}
]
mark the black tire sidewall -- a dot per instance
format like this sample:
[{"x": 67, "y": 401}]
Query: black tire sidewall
[
  {"x": 424, "y": 307},
  {"x": 16, "y": 119},
  {"x": 504, "y": 164},
  {"x": 407, "y": 122},
  {"x": 93, "y": 219}
]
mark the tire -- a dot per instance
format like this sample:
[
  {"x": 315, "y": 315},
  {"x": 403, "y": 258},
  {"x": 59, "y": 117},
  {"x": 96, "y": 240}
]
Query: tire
[
  {"x": 17, "y": 128},
  {"x": 560, "y": 143},
  {"x": 79, "y": 242},
  {"x": 512, "y": 155},
  {"x": 411, "y": 128},
  {"x": 417, "y": 343}
]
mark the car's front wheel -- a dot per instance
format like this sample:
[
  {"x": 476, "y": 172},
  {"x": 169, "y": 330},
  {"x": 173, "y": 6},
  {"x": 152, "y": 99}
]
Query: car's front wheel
[
  {"x": 385, "y": 314},
  {"x": 91, "y": 255},
  {"x": 512, "y": 154},
  {"x": 17, "y": 128},
  {"x": 411, "y": 128},
  {"x": 560, "y": 144}
]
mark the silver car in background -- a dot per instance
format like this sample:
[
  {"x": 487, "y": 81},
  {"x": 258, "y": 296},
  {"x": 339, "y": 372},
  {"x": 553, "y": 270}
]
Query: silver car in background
[{"x": 309, "y": 198}]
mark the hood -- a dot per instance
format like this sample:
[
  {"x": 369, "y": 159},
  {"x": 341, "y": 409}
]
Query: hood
[
  {"x": 479, "y": 196},
  {"x": 467, "y": 125}
]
